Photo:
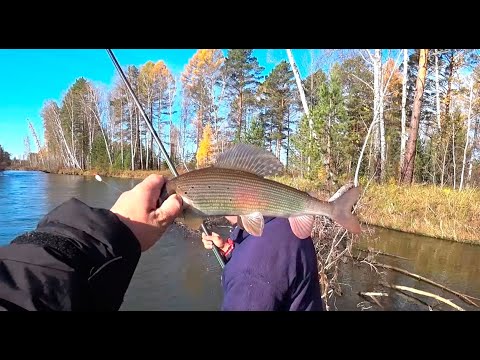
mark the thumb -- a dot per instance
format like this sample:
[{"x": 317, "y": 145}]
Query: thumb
[{"x": 170, "y": 208}]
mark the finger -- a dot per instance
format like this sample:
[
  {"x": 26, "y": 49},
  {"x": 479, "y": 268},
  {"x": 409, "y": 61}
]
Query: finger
[
  {"x": 171, "y": 208},
  {"x": 218, "y": 242},
  {"x": 151, "y": 187},
  {"x": 207, "y": 244},
  {"x": 207, "y": 237}
]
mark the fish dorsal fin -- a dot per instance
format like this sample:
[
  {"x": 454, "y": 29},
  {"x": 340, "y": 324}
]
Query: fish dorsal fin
[{"x": 250, "y": 158}]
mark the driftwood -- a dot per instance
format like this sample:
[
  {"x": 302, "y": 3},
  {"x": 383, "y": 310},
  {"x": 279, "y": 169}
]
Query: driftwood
[
  {"x": 408, "y": 296},
  {"x": 421, "y": 292},
  {"x": 372, "y": 295},
  {"x": 418, "y": 277}
]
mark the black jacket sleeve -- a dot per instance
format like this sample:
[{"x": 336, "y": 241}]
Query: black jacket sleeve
[{"x": 78, "y": 258}]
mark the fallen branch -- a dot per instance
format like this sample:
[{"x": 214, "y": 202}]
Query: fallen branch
[
  {"x": 372, "y": 295},
  {"x": 421, "y": 292},
  {"x": 418, "y": 277},
  {"x": 408, "y": 296}
]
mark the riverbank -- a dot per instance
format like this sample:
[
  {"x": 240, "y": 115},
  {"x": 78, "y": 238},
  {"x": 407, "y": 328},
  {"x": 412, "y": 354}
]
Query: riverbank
[
  {"x": 426, "y": 210},
  {"x": 126, "y": 174},
  {"x": 418, "y": 209}
]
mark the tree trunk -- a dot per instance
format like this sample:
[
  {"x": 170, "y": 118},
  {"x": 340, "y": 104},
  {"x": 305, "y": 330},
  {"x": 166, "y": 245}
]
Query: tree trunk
[
  {"x": 240, "y": 115},
  {"x": 443, "y": 165},
  {"x": 437, "y": 90},
  {"x": 329, "y": 145},
  {"x": 467, "y": 134},
  {"x": 376, "y": 113},
  {"x": 453, "y": 156},
  {"x": 302, "y": 97},
  {"x": 132, "y": 147},
  {"x": 381, "y": 122},
  {"x": 448, "y": 96},
  {"x": 409, "y": 161},
  {"x": 403, "y": 137},
  {"x": 470, "y": 161}
]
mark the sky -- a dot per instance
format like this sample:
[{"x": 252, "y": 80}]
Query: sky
[{"x": 28, "y": 78}]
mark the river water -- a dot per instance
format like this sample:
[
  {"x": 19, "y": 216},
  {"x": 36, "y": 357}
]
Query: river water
[{"x": 179, "y": 274}]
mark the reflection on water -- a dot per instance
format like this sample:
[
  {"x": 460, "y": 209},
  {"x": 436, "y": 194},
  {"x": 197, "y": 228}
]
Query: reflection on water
[
  {"x": 25, "y": 196},
  {"x": 452, "y": 264},
  {"x": 179, "y": 274}
]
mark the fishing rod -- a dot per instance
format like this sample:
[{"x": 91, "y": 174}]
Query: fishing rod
[{"x": 158, "y": 141}]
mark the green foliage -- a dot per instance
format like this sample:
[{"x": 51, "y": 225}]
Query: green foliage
[
  {"x": 4, "y": 158},
  {"x": 99, "y": 157},
  {"x": 242, "y": 77},
  {"x": 255, "y": 134},
  {"x": 278, "y": 100}
]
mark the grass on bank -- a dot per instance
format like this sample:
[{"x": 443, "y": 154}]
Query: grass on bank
[{"x": 420, "y": 209}]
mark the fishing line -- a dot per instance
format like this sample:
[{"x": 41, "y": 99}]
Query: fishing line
[
  {"x": 99, "y": 178},
  {"x": 157, "y": 140}
]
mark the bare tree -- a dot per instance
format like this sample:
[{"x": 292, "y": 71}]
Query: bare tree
[{"x": 37, "y": 142}]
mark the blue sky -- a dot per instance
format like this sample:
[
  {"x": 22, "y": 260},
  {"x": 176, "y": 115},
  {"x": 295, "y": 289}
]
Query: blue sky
[{"x": 30, "y": 77}]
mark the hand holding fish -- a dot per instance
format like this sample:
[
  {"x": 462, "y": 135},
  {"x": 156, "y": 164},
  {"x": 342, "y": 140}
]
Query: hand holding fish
[{"x": 142, "y": 211}]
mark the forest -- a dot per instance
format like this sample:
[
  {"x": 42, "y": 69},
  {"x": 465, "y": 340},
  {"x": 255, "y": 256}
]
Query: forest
[
  {"x": 404, "y": 117},
  {"x": 419, "y": 109}
]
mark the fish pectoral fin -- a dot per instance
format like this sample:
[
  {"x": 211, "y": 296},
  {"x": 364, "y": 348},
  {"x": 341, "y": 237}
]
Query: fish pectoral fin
[
  {"x": 252, "y": 223},
  {"x": 191, "y": 218},
  {"x": 302, "y": 226}
]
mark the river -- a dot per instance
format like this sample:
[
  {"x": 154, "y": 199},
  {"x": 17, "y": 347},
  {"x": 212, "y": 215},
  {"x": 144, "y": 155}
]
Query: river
[{"x": 179, "y": 274}]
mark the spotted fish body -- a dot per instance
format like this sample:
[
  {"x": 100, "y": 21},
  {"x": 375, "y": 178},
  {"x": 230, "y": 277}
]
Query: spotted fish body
[
  {"x": 236, "y": 185},
  {"x": 218, "y": 192}
]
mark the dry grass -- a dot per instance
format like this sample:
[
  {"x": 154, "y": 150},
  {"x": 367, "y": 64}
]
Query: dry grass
[
  {"x": 426, "y": 210},
  {"x": 136, "y": 174},
  {"x": 420, "y": 209}
]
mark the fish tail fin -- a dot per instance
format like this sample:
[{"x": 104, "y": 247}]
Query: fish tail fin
[
  {"x": 342, "y": 210},
  {"x": 302, "y": 226}
]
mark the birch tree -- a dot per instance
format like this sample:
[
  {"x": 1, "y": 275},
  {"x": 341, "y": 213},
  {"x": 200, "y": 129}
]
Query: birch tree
[{"x": 404, "y": 136}]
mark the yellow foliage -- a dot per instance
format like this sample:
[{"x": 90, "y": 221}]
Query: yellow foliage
[
  {"x": 395, "y": 84},
  {"x": 204, "y": 64},
  {"x": 205, "y": 149}
]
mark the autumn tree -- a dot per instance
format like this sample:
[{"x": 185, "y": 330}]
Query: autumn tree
[
  {"x": 202, "y": 84},
  {"x": 205, "y": 151},
  {"x": 165, "y": 87}
]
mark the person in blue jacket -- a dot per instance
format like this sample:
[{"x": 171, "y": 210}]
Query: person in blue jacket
[{"x": 273, "y": 272}]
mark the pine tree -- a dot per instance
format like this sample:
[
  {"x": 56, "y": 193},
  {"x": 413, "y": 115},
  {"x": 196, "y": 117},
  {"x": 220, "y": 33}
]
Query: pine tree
[{"x": 242, "y": 77}]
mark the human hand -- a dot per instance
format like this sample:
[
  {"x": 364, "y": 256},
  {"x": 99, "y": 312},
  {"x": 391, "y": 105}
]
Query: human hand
[
  {"x": 209, "y": 240},
  {"x": 137, "y": 208}
]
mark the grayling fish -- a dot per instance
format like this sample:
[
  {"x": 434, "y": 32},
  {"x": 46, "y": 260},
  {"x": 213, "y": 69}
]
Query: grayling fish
[{"x": 236, "y": 186}]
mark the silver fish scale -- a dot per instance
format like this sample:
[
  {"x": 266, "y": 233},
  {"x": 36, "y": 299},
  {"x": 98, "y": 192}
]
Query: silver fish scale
[{"x": 219, "y": 191}]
